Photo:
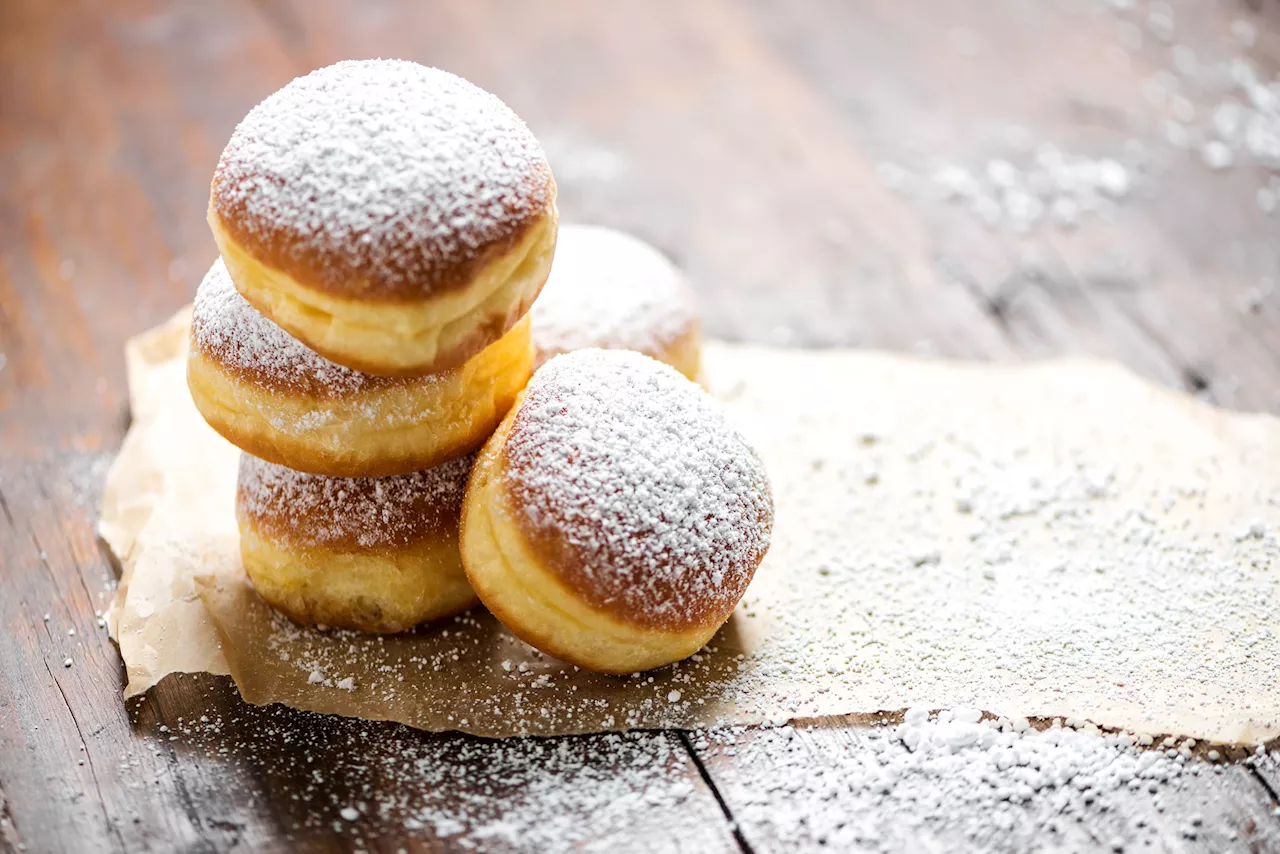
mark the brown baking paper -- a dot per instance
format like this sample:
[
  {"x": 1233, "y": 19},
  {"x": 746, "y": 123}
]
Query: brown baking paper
[{"x": 1052, "y": 539}]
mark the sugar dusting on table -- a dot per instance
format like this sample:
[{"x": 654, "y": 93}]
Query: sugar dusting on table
[
  {"x": 965, "y": 780},
  {"x": 1205, "y": 101},
  {"x": 952, "y": 775}
]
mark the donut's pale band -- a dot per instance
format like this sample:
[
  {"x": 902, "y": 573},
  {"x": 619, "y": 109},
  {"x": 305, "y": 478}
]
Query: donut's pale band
[
  {"x": 379, "y": 591},
  {"x": 391, "y": 430},
  {"x": 684, "y": 353},
  {"x": 534, "y": 604},
  {"x": 398, "y": 338}
]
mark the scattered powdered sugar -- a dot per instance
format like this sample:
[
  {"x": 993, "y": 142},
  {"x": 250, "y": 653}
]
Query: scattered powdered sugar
[
  {"x": 609, "y": 289},
  {"x": 381, "y": 177},
  {"x": 372, "y": 781},
  {"x": 642, "y": 486},
  {"x": 951, "y": 777},
  {"x": 1206, "y": 98},
  {"x": 1211, "y": 96},
  {"x": 231, "y": 332},
  {"x": 1028, "y": 187},
  {"x": 312, "y": 509}
]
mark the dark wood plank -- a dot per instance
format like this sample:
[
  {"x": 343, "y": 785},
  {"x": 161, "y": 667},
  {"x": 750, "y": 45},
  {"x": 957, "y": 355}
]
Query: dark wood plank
[
  {"x": 73, "y": 774},
  {"x": 1163, "y": 282},
  {"x": 351, "y": 783}
]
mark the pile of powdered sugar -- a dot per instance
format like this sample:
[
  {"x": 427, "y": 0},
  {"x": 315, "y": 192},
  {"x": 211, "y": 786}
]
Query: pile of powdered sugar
[
  {"x": 635, "y": 472},
  {"x": 609, "y": 289},
  {"x": 959, "y": 781},
  {"x": 383, "y": 177}
]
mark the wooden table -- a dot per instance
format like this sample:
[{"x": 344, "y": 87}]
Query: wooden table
[{"x": 774, "y": 149}]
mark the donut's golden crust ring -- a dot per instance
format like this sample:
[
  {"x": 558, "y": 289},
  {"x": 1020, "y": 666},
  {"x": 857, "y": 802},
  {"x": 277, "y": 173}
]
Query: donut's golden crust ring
[
  {"x": 534, "y": 603},
  {"x": 380, "y": 591},
  {"x": 684, "y": 352},
  {"x": 399, "y": 337},
  {"x": 414, "y": 425}
]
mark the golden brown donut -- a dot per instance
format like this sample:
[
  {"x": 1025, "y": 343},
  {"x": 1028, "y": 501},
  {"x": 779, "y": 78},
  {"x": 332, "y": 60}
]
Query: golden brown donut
[
  {"x": 372, "y": 554},
  {"x": 611, "y": 290},
  {"x": 395, "y": 218},
  {"x": 270, "y": 395},
  {"x": 615, "y": 518}
]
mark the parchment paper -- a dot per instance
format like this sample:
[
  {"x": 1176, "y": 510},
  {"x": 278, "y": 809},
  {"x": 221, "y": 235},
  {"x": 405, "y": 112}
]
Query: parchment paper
[{"x": 1051, "y": 539}]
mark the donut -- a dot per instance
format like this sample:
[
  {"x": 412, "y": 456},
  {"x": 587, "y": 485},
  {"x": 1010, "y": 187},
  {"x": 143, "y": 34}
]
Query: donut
[
  {"x": 372, "y": 554},
  {"x": 615, "y": 518},
  {"x": 272, "y": 396},
  {"x": 611, "y": 290},
  {"x": 395, "y": 218}
]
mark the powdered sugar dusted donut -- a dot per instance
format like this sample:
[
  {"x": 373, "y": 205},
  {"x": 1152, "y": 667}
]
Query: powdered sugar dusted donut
[
  {"x": 611, "y": 290},
  {"x": 615, "y": 518},
  {"x": 395, "y": 218},
  {"x": 373, "y": 554},
  {"x": 272, "y": 396}
]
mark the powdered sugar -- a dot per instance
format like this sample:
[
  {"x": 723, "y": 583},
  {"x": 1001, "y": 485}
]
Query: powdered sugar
[
  {"x": 609, "y": 289},
  {"x": 922, "y": 781},
  {"x": 231, "y": 332},
  {"x": 638, "y": 481},
  {"x": 381, "y": 178},
  {"x": 312, "y": 509},
  {"x": 386, "y": 787},
  {"x": 1026, "y": 188},
  {"x": 951, "y": 778}
]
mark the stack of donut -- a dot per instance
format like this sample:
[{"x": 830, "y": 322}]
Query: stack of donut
[{"x": 384, "y": 230}]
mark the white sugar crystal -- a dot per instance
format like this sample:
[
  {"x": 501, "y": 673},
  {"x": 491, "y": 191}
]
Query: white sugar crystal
[{"x": 1217, "y": 154}]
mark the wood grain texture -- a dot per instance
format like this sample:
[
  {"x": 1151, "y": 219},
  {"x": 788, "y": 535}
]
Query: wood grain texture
[{"x": 747, "y": 138}]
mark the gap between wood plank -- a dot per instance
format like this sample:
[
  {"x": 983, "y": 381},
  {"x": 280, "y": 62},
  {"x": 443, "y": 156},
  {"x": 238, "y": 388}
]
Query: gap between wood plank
[
  {"x": 734, "y": 828},
  {"x": 93, "y": 773},
  {"x": 9, "y": 833},
  {"x": 1266, "y": 782}
]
